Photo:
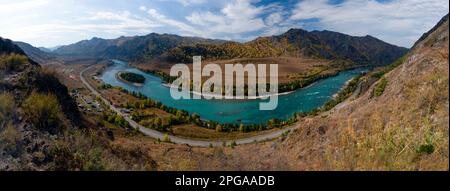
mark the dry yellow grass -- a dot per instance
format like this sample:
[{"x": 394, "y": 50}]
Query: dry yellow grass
[{"x": 405, "y": 128}]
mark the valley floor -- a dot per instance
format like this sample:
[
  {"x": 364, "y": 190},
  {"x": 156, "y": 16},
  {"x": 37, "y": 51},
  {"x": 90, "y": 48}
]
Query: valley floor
[
  {"x": 399, "y": 122},
  {"x": 290, "y": 69}
]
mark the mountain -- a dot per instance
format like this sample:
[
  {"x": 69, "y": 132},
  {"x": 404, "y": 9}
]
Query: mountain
[
  {"x": 399, "y": 122},
  {"x": 34, "y": 53},
  {"x": 367, "y": 49},
  {"x": 298, "y": 43},
  {"x": 294, "y": 43},
  {"x": 35, "y": 109},
  {"x": 8, "y": 47},
  {"x": 26, "y": 76},
  {"x": 130, "y": 48},
  {"x": 93, "y": 47},
  {"x": 49, "y": 50},
  {"x": 41, "y": 127},
  {"x": 396, "y": 119},
  {"x": 43, "y": 49},
  {"x": 436, "y": 27}
]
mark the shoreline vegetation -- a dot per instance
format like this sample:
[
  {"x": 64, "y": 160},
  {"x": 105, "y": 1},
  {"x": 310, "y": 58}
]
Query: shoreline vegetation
[
  {"x": 184, "y": 117},
  {"x": 207, "y": 95},
  {"x": 304, "y": 80},
  {"x": 131, "y": 78}
]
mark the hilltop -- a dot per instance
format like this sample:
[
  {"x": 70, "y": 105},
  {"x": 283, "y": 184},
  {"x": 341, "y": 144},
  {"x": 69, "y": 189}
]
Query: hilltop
[
  {"x": 396, "y": 118},
  {"x": 400, "y": 122},
  {"x": 41, "y": 127},
  {"x": 294, "y": 43},
  {"x": 34, "y": 107},
  {"x": 8, "y": 47},
  {"x": 303, "y": 57},
  {"x": 298, "y": 43},
  {"x": 34, "y": 53},
  {"x": 129, "y": 48}
]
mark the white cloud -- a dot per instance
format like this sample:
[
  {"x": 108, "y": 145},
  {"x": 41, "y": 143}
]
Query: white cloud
[
  {"x": 396, "y": 22},
  {"x": 274, "y": 18},
  {"x": 104, "y": 24},
  {"x": 47, "y": 22},
  {"x": 162, "y": 19},
  {"x": 205, "y": 19},
  {"x": 187, "y": 2},
  {"x": 143, "y": 8},
  {"x": 270, "y": 31},
  {"x": 239, "y": 16},
  {"x": 191, "y": 2},
  {"x": 11, "y": 11},
  {"x": 12, "y": 7},
  {"x": 122, "y": 20}
]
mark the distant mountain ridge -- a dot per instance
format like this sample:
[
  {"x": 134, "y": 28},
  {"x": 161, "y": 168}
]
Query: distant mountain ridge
[
  {"x": 23, "y": 80},
  {"x": 130, "y": 48},
  {"x": 34, "y": 79},
  {"x": 8, "y": 47},
  {"x": 299, "y": 43},
  {"x": 34, "y": 53},
  {"x": 387, "y": 126},
  {"x": 365, "y": 50},
  {"x": 43, "y": 49}
]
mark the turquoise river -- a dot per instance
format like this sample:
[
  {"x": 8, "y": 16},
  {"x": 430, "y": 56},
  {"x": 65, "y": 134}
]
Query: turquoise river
[{"x": 235, "y": 111}]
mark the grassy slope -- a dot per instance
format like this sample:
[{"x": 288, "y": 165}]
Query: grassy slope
[
  {"x": 393, "y": 131},
  {"x": 405, "y": 127}
]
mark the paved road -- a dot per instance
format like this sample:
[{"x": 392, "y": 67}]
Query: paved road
[{"x": 178, "y": 140}]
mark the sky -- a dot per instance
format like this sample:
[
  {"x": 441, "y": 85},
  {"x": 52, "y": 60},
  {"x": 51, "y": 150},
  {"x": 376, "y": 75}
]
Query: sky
[{"x": 49, "y": 23}]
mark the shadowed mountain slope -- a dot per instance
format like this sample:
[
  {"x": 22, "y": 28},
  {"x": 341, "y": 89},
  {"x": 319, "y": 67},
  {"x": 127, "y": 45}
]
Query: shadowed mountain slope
[{"x": 298, "y": 43}]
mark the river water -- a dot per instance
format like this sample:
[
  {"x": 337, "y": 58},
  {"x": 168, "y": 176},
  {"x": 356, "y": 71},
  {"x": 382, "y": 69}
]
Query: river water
[{"x": 235, "y": 111}]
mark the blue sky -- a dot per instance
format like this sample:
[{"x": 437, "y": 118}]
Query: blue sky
[{"x": 57, "y": 22}]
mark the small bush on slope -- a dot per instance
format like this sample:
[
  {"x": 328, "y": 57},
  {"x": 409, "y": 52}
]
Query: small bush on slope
[
  {"x": 6, "y": 107},
  {"x": 42, "y": 110},
  {"x": 12, "y": 62},
  {"x": 10, "y": 140},
  {"x": 379, "y": 88}
]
